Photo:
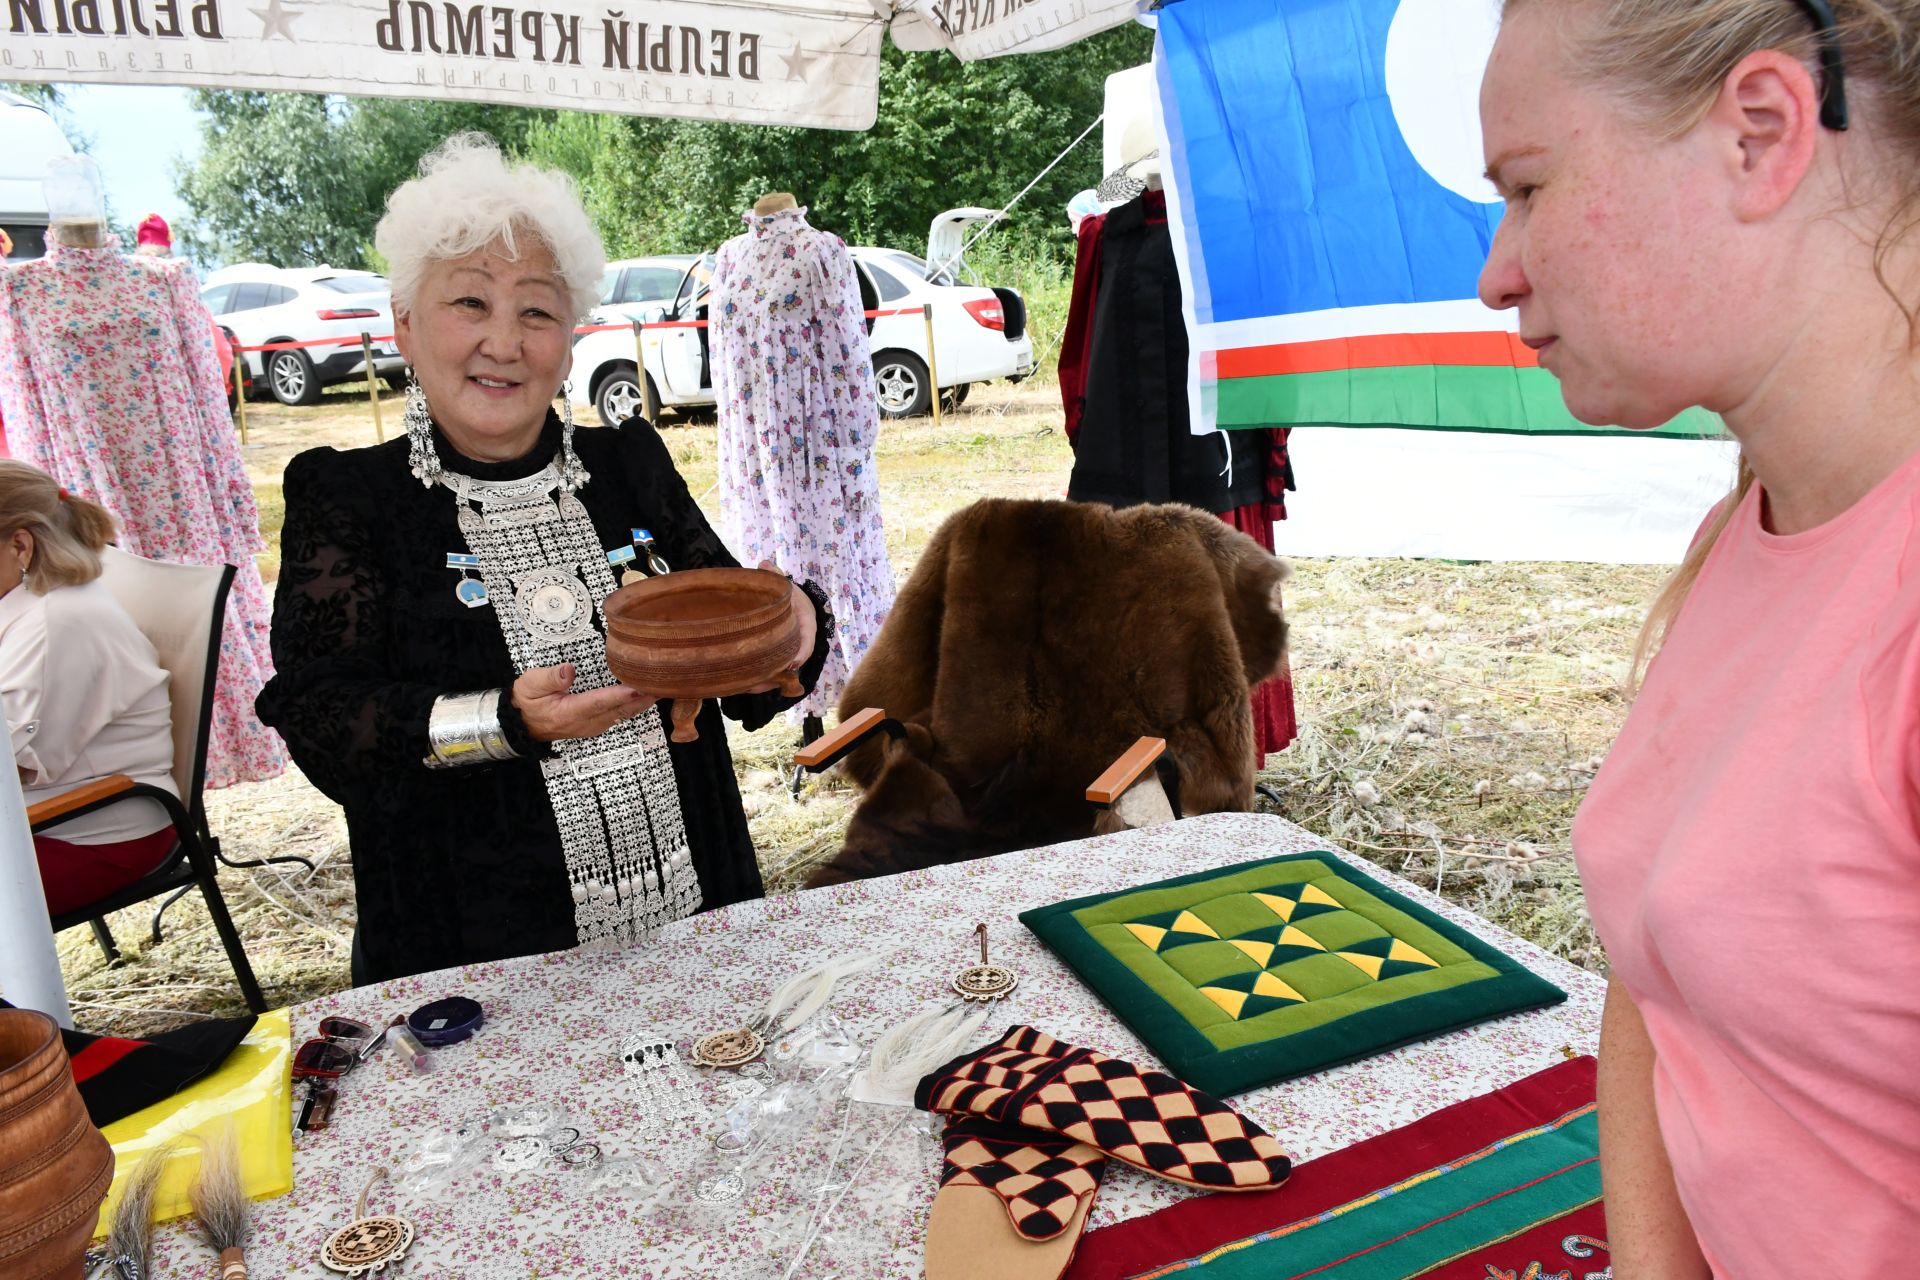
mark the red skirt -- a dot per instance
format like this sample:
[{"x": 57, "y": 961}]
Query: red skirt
[{"x": 75, "y": 875}]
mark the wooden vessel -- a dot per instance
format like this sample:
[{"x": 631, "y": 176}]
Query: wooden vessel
[
  {"x": 703, "y": 633},
  {"x": 55, "y": 1167}
]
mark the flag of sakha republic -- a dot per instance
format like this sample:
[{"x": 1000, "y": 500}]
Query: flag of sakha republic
[{"x": 1331, "y": 213}]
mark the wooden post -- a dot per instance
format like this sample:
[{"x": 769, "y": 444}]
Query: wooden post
[
  {"x": 240, "y": 393},
  {"x": 933, "y": 366},
  {"x": 647, "y": 405},
  {"x": 373, "y": 386}
]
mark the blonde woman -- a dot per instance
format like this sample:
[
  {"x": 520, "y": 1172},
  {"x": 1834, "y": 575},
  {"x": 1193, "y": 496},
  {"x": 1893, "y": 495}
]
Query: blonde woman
[
  {"x": 1713, "y": 202},
  {"x": 85, "y": 696}
]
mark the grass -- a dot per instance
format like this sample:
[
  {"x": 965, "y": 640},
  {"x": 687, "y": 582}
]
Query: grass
[{"x": 1451, "y": 718}]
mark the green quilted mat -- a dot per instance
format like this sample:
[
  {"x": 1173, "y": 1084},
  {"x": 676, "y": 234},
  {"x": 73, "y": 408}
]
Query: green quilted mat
[{"x": 1268, "y": 970}]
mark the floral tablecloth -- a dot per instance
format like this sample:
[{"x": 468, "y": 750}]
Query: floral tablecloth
[{"x": 555, "y": 1024}]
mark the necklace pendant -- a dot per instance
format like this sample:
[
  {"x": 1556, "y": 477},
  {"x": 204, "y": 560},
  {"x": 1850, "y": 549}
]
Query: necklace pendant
[{"x": 471, "y": 592}]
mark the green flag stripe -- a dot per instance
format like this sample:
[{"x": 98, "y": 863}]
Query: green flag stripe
[{"x": 1439, "y": 397}]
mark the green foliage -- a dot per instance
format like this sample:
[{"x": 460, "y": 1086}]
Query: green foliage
[
  {"x": 47, "y": 95},
  {"x": 293, "y": 179},
  {"x": 296, "y": 180}
]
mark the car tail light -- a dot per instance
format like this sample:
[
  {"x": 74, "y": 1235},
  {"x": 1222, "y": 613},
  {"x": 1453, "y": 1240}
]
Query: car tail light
[
  {"x": 987, "y": 313},
  {"x": 351, "y": 313}
]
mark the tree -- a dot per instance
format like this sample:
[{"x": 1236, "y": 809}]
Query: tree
[
  {"x": 47, "y": 95},
  {"x": 295, "y": 179}
]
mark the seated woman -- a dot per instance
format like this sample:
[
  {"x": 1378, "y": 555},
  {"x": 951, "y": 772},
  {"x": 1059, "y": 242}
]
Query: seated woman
[
  {"x": 441, "y": 660},
  {"x": 85, "y": 696}
]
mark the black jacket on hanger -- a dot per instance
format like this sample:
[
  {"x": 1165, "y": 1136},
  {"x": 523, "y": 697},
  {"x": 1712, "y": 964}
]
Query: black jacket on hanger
[{"x": 1135, "y": 442}]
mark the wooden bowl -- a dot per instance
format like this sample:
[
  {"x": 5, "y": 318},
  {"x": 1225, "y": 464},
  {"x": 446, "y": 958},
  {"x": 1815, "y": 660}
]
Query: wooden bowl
[{"x": 703, "y": 633}]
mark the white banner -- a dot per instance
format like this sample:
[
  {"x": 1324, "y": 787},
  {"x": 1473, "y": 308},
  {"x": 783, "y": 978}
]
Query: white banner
[
  {"x": 976, "y": 29},
  {"x": 814, "y": 63}
]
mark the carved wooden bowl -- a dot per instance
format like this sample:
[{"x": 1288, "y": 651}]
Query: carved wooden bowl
[{"x": 703, "y": 633}]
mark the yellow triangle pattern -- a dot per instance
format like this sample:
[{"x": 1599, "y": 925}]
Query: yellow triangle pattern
[
  {"x": 1148, "y": 934},
  {"x": 1268, "y": 985},
  {"x": 1282, "y": 907},
  {"x": 1231, "y": 1001},
  {"x": 1314, "y": 893},
  {"x": 1258, "y": 952},
  {"x": 1187, "y": 922},
  {"x": 1411, "y": 955},
  {"x": 1292, "y": 937},
  {"x": 1369, "y": 965}
]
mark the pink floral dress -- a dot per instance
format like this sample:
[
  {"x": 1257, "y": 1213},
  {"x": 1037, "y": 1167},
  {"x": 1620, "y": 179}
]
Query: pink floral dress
[
  {"x": 798, "y": 421},
  {"x": 109, "y": 383}
]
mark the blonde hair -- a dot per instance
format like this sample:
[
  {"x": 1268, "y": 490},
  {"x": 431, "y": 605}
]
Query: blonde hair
[
  {"x": 68, "y": 532},
  {"x": 468, "y": 196},
  {"x": 1667, "y": 60}
]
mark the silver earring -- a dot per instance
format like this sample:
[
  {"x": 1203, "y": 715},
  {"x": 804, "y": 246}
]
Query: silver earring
[
  {"x": 572, "y": 473},
  {"x": 422, "y": 457}
]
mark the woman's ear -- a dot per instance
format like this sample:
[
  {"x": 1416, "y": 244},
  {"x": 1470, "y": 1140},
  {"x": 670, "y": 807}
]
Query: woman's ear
[
  {"x": 403, "y": 332},
  {"x": 1765, "y": 122}
]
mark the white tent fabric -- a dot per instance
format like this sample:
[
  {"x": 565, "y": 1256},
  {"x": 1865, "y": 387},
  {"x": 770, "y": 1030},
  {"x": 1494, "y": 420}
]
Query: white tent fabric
[
  {"x": 1462, "y": 495},
  {"x": 798, "y": 62}
]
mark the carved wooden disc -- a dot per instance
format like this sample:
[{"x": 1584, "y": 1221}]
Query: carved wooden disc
[
  {"x": 367, "y": 1245},
  {"x": 982, "y": 982},
  {"x": 730, "y": 1048}
]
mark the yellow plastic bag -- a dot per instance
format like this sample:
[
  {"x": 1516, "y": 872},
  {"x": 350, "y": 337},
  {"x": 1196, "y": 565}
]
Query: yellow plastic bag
[{"x": 252, "y": 1090}]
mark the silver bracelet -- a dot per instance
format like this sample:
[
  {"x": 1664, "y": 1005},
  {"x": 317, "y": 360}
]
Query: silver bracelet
[{"x": 464, "y": 728}]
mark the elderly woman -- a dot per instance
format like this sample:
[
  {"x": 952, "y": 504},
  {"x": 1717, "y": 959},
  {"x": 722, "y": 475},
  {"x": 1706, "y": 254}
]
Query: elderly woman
[{"x": 436, "y": 629}]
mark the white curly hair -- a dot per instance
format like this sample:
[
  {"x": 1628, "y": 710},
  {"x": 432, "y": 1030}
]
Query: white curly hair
[{"x": 468, "y": 196}]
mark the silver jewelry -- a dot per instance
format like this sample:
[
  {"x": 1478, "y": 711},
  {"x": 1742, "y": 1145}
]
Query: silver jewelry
[
  {"x": 615, "y": 798},
  {"x": 533, "y": 1119},
  {"x": 720, "y": 1190},
  {"x": 662, "y": 1087},
  {"x": 464, "y": 728},
  {"x": 517, "y": 1155},
  {"x": 422, "y": 458},
  {"x": 573, "y": 476}
]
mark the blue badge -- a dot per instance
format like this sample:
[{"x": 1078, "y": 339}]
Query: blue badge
[{"x": 471, "y": 592}]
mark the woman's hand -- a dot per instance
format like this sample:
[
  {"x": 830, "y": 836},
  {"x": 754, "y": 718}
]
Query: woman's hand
[
  {"x": 802, "y": 605},
  {"x": 542, "y": 696}
]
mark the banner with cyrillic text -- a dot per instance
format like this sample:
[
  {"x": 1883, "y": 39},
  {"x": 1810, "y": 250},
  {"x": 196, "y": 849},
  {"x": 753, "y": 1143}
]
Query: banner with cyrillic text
[{"x": 814, "y": 63}]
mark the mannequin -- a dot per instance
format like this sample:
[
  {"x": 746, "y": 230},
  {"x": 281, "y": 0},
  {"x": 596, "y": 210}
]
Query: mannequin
[
  {"x": 797, "y": 479},
  {"x": 141, "y": 427}
]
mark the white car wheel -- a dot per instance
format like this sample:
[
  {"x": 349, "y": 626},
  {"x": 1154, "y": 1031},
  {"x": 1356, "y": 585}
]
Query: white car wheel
[{"x": 901, "y": 384}]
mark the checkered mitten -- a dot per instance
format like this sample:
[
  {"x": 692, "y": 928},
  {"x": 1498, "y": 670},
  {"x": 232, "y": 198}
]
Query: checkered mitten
[
  {"x": 1146, "y": 1118},
  {"x": 1040, "y": 1177}
]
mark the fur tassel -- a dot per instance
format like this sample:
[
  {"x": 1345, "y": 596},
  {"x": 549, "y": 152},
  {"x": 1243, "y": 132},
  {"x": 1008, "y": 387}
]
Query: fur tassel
[
  {"x": 220, "y": 1205},
  {"x": 130, "y": 1230}
]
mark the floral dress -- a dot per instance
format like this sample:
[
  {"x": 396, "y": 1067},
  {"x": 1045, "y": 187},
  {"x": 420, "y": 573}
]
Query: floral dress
[
  {"x": 109, "y": 383},
  {"x": 798, "y": 421}
]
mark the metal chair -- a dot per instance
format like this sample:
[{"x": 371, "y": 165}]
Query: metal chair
[{"x": 180, "y": 609}]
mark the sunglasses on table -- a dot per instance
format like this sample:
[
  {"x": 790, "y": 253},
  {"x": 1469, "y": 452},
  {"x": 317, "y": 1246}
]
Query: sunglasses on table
[{"x": 341, "y": 1046}]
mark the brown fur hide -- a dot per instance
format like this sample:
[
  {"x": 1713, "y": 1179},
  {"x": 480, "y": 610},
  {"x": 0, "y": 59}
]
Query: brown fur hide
[{"x": 1035, "y": 641}]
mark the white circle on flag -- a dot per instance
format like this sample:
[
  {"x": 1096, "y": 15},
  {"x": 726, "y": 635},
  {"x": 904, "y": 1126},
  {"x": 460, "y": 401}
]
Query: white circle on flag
[{"x": 1436, "y": 55}]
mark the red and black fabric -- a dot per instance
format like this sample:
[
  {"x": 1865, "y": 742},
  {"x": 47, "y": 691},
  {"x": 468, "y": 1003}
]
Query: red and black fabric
[
  {"x": 1146, "y": 1119},
  {"x": 1134, "y": 441},
  {"x": 118, "y": 1077},
  {"x": 1160, "y": 1243},
  {"x": 1076, "y": 342},
  {"x": 1041, "y": 1177}
]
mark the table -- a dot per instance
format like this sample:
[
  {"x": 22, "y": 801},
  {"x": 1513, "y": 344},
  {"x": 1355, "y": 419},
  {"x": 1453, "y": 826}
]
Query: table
[{"x": 554, "y": 1024}]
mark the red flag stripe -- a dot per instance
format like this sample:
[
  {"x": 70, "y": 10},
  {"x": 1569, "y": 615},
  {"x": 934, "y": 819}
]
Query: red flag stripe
[{"x": 1375, "y": 351}]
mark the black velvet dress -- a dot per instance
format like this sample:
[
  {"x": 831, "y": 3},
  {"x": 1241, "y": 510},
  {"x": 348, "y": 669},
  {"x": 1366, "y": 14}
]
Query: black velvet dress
[{"x": 454, "y": 866}]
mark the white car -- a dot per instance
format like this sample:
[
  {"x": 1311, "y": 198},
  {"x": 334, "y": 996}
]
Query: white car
[
  {"x": 261, "y": 304},
  {"x": 634, "y": 287},
  {"x": 979, "y": 334}
]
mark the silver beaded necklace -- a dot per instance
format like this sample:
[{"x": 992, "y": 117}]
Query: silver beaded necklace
[{"x": 614, "y": 796}]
